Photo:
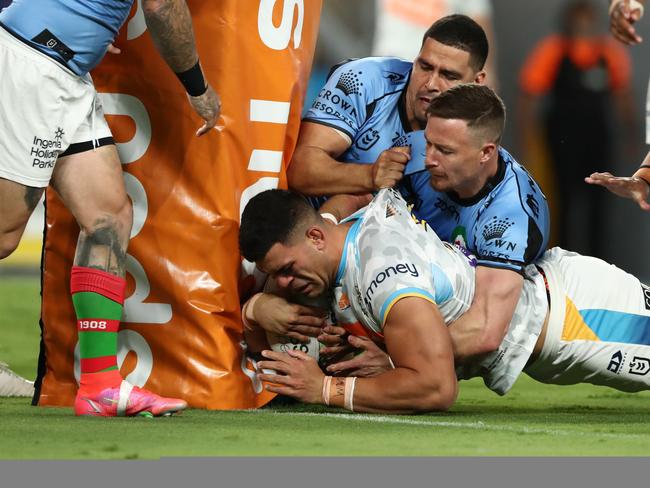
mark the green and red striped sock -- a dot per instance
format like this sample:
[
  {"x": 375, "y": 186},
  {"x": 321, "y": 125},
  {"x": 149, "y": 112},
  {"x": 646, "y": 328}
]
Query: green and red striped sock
[{"x": 98, "y": 298}]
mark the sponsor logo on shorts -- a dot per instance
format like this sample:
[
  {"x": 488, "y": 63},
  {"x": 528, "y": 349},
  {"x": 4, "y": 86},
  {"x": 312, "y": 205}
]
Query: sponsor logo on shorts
[
  {"x": 45, "y": 151},
  {"x": 646, "y": 295},
  {"x": 616, "y": 362},
  {"x": 639, "y": 366}
]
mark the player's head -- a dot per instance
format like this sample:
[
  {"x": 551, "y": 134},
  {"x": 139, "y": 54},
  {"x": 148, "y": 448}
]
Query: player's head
[
  {"x": 285, "y": 237},
  {"x": 454, "y": 50},
  {"x": 463, "y": 131}
]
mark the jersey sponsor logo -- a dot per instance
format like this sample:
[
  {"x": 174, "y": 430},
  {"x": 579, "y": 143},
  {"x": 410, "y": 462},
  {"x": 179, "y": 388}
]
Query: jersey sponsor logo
[
  {"x": 394, "y": 77},
  {"x": 349, "y": 82},
  {"x": 368, "y": 139},
  {"x": 646, "y": 295},
  {"x": 616, "y": 362},
  {"x": 639, "y": 366},
  {"x": 447, "y": 209},
  {"x": 401, "y": 268},
  {"x": 493, "y": 232}
]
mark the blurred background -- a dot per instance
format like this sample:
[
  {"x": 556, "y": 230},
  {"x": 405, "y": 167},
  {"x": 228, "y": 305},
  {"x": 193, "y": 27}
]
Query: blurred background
[{"x": 602, "y": 127}]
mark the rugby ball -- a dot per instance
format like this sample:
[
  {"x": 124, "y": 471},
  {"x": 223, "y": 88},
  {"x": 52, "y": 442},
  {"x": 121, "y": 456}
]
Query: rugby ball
[{"x": 280, "y": 343}]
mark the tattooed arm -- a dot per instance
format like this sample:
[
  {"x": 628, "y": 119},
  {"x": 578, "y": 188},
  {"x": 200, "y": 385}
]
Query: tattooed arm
[{"x": 170, "y": 25}]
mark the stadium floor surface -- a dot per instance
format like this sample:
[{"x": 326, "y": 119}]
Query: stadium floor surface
[{"x": 532, "y": 420}]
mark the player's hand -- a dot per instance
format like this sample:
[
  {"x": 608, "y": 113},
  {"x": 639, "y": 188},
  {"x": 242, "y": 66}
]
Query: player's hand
[
  {"x": 388, "y": 170},
  {"x": 208, "y": 106},
  {"x": 372, "y": 361},
  {"x": 299, "y": 375},
  {"x": 627, "y": 187},
  {"x": 113, "y": 50},
  {"x": 623, "y": 15},
  {"x": 334, "y": 339},
  {"x": 275, "y": 314}
]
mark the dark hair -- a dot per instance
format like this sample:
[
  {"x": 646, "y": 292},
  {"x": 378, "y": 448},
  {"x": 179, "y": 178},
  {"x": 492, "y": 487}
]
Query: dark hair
[
  {"x": 463, "y": 33},
  {"x": 476, "y": 104},
  {"x": 270, "y": 217}
]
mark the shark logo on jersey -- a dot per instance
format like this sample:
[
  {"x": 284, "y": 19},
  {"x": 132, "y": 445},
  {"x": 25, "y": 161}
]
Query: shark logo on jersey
[
  {"x": 349, "y": 82},
  {"x": 447, "y": 209},
  {"x": 394, "y": 77}
]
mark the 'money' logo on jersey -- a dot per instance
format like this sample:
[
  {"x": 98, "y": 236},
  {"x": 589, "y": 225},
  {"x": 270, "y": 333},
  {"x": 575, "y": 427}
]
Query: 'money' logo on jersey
[{"x": 401, "y": 268}]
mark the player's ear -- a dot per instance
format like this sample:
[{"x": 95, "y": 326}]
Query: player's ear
[
  {"x": 316, "y": 236},
  {"x": 487, "y": 151},
  {"x": 480, "y": 77}
]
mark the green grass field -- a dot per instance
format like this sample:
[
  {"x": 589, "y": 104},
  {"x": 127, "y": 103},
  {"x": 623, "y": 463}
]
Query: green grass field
[{"x": 532, "y": 420}]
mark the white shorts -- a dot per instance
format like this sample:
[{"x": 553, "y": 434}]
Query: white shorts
[
  {"x": 46, "y": 112},
  {"x": 599, "y": 325}
]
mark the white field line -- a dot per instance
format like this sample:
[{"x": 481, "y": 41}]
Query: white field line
[{"x": 456, "y": 425}]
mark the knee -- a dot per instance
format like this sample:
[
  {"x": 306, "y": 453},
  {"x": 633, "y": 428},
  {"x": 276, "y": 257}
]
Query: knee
[{"x": 118, "y": 216}]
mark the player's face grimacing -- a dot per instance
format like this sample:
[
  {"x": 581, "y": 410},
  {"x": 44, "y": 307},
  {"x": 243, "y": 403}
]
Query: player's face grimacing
[
  {"x": 437, "y": 68},
  {"x": 298, "y": 268},
  {"x": 454, "y": 156}
]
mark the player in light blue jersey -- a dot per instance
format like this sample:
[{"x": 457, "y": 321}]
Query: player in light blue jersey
[
  {"x": 54, "y": 132},
  {"x": 390, "y": 277},
  {"x": 346, "y": 138}
]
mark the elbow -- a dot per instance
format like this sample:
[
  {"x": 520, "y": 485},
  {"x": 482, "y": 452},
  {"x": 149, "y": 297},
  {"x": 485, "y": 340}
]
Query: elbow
[
  {"x": 152, "y": 8},
  {"x": 297, "y": 178},
  {"x": 490, "y": 342},
  {"x": 439, "y": 399}
]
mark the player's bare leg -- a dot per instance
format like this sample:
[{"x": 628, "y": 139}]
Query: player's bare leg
[
  {"x": 17, "y": 202},
  {"x": 91, "y": 186}
]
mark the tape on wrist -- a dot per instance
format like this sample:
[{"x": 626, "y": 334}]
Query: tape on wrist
[
  {"x": 247, "y": 311},
  {"x": 193, "y": 80},
  {"x": 348, "y": 399},
  {"x": 327, "y": 381}
]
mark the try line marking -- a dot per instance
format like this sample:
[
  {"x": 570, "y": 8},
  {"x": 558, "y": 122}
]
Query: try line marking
[{"x": 382, "y": 419}]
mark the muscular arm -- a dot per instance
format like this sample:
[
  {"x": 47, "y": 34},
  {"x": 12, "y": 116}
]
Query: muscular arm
[
  {"x": 481, "y": 329},
  {"x": 423, "y": 379},
  {"x": 314, "y": 169},
  {"x": 170, "y": 25}
]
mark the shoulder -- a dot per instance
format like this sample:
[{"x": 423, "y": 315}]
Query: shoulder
[{"x": 378, "y": 73}]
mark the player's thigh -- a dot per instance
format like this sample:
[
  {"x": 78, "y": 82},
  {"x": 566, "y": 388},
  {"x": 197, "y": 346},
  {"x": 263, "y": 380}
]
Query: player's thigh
[{"x": 91, "y": 185}]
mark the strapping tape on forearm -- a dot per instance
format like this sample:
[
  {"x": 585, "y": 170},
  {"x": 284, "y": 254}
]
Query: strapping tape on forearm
[{"x": 193, "y": 80}]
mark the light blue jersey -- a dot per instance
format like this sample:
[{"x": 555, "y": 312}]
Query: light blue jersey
[
  {"x": 74, "y": 32},
  {"x": 506, "y": 225},
  {"x": 364, "y": 99}
]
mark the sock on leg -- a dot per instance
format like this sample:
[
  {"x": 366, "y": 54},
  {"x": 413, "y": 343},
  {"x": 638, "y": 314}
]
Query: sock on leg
[{"x": 98, "y": 298}]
